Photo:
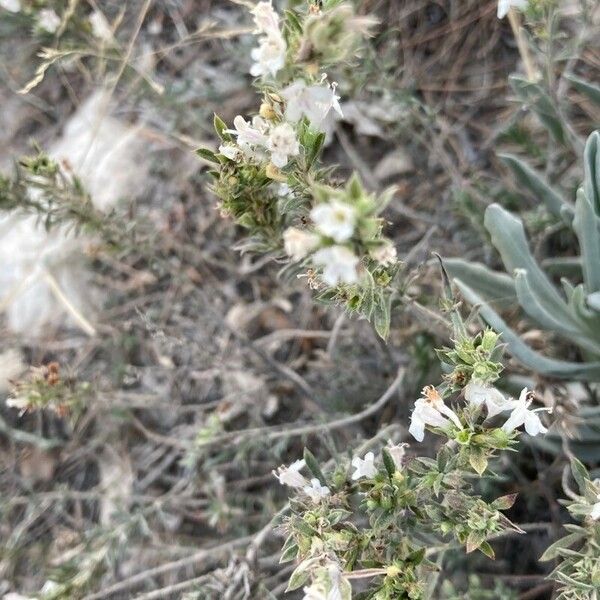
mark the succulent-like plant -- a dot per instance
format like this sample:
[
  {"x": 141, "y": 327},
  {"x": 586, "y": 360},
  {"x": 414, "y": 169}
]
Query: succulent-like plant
[{"x": 574, "y": 314}]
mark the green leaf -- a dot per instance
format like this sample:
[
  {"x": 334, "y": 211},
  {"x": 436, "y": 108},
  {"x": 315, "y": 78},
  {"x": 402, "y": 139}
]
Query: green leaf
[
  {"x": 508, "y": 236},
  {"x": 546, "y": 366},
  {"x": 534, "y": 95},
  {"x": 220, "y": 127},
  {"x": 504, "y": 502},
  {"x": 314, "y": 149},
  {"x": 478, "y": 460},
  {"x": 495, "y": 287},
  {"x": 487, "y": 550},
  {"x": 580, "y": 473},
  {"x": 553, "y": 551},
  {"x": 388, "y": 462},
  {"x": 587, "y": 227},
  {"x": 474, "y": 541},
  {"x": 538, "y": 186},
  {"x": 591, "y": 167},
  {"x": 207, "y": 154},
  {"x": 382, "y": 315},
  {"x": 313, "y": 466},
  {"x": 585, "y": 87}
]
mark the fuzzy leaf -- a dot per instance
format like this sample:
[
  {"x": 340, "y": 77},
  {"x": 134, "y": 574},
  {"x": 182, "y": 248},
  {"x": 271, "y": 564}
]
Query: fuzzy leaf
[
  {"x": 591, "y": 167},
  {"x": 589, "y": 371},
  {"x": 586, "y": 88},
  {"x": 553, "y": 551},
  {"x": 538, "y": 186},
  {"x": 388, "y": 462},
  {"x": 504, "y": 502},
  {"x": 587, "y": 226},
  {"x": 478, "y": 460},
  {"x": 580, "y": 473},
  {"x": 313, "y": 466}
]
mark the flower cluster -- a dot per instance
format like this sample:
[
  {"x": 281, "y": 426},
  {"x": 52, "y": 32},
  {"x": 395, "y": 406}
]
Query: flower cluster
[
  {"x": 368, "y": 517},
  {"x": 267, "y": 179},
  {"x": 44, "y": 388}
]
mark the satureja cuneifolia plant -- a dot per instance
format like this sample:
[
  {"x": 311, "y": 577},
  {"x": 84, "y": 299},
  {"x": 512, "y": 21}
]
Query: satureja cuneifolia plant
[
  {"x": 267, "y": 176},
  {"x": 386, "y": 520}
]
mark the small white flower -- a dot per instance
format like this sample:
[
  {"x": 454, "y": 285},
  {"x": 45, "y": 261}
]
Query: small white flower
[
  {"x": 397, "y": 452},
  {"x": 431, "y": 410},
  {"x": 265, "y": 18},
  {"x": 13, "y": 6},
  {"x": 364, "y": 467},
  {"x": 249, "y": 134},
  {"x": 334, "y": 219},
  {"x": 315, "y": 491},
  {"x": 521, "y": 415},
  {"x": 339, "y": 265},
  {"x": 298, "y": 243},
  {"x": 385, "y": 254},
  {"x": 230, "y": 151},
  {"x": 100, "y": 26},
  {"x": 313, "y": 102},
  {"x": 20, "y": 403},
  {"x": 314, "y": 592},
  {"x": 291, "y": 475},
  {"x": 48, "y": 20},
  {"x": 595, "y": 514},
  {"x": 505, "y": 5},
  {"x": 282, "y": 144},
  {"x": 284, "y": 190},
  {"x": 269, "y": 56},
  {"x": 477, "y": 393}
]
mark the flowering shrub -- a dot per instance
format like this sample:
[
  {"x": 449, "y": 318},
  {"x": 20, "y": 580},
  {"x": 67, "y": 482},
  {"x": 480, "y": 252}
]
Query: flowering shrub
[
  {"x": 578, "y": 571},
  {"x": 383, "y": 518},
  {"x": 267, "y": 178}
]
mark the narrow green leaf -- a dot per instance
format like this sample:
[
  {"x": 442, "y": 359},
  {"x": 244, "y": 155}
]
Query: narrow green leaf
[
  {"x": 538, "y": 186},
  {"x": 586, "y": 88},
  {"x": 313, "y": 466},
  {"x": 587, "y": 227},
  {"x": 546, "y": 366},
  {"x": 553, "y": 551},
  {"x": 591, "y": 167},
  {"x": 388, "y": 462}
]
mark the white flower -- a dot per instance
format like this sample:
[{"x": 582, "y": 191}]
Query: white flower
[
  {"x": 385, "y": 254},
  {"x": 13, "y": 6},
  {"x": 477, "y": 393},
  {"x": 364, "y": 467},
  {"x": 315, "y": 491},
  {"x": 20, "y": 403},
  {"x": 249, "y": 134},
  {"x": 313, "y": 102},
  {"x": 521, "y": 415},
  {"x": 298, "y": 242},
  {"x": 339, "y": 265},
  {"x": 334, "y": 219},
  {"x": 230, "y": 151},
  {"x": 595, "y": 514},
  {"x": 291, "y": 475},
  {"x": 282, "y": 144},
  {"x": 505, "y": 5},
  {"x": 269, "y": 57},
  {"x": 265, "y": 18},
  {"x": 431, "y": 410},
  {"x": 314, "y": 592},
  {"x": 48, "y": 20},
  {"x": 397, "y": 452},
  {"x": 100, "y": 26}
]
